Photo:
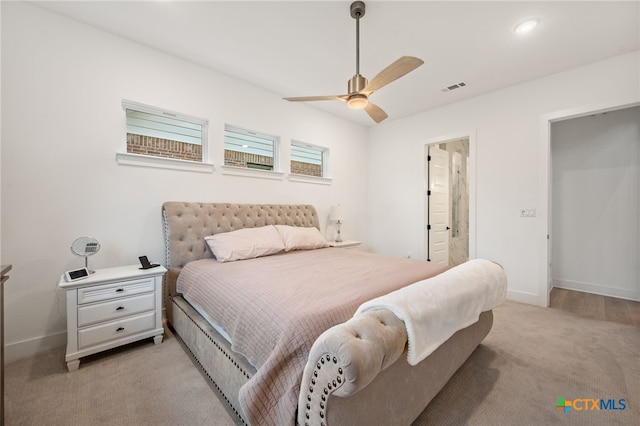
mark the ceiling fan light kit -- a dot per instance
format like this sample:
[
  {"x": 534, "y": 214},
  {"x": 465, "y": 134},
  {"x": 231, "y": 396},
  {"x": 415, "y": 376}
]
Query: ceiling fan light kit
[
  {"x": 357, "y": 101},
  {"x": 359, "y": 88}
]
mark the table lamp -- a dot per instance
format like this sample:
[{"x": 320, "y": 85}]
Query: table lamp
[{"x": 337, "y": 215}]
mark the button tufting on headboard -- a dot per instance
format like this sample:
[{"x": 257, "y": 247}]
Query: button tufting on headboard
[{"x": 186, "y": 224}]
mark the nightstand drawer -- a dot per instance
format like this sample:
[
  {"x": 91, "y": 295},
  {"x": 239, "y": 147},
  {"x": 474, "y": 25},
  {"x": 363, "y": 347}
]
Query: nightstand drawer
[
  {"x": 111, "y": 291},
  {"x": 114, "y": 309},
  {"x": 116, "y": 329}
]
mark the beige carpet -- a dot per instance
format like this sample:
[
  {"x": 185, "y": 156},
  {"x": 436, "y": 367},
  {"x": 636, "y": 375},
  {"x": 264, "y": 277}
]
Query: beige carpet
[
  {"x": 140, "y": 384},
  {"x": 531, "y": 357}
]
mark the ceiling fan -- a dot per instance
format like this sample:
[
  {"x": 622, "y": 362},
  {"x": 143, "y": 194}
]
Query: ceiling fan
[{"x": 359, "y": 87}]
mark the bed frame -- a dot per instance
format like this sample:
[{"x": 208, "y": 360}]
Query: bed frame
[{"x": 357, "y": 373}]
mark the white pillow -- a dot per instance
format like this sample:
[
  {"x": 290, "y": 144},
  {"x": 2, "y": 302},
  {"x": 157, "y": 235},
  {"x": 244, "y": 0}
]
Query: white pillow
[
  {"x": 300, "y": 238},
  {"x": 246, "y": 243}
]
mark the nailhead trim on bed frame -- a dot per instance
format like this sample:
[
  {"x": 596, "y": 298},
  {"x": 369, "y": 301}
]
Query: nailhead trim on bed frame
[
  {"x": 225, "y": 353},
  {"x": 220, "y": 348},
  {"x": 166, "y": 300},
  {"x": 329, "y": 380},
  {"x": 213, "y": 382}
]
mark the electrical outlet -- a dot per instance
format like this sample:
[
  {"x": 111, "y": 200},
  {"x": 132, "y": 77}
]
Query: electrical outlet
[{"x": 528, "y": 213}]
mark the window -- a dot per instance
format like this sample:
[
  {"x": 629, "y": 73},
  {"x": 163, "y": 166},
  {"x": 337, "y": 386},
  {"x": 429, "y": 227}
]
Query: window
[
  {"x": 249, "y": 149},
  {"x": 308, "y": 160},
  {"x": 156, "y": 132}
]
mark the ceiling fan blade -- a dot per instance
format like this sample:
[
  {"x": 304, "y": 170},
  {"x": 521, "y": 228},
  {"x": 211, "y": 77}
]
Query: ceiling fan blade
[
  {"x": 375, "y": 112},
  {"x": 318, "y": 98},
  {"x": 402, "y": 66}
]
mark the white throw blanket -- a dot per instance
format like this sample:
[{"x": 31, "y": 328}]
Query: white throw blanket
[{"x": 435, "y": 308}]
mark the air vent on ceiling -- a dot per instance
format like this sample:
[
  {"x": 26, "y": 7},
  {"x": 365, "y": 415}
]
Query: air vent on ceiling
[{"x": 454, "y": 86}]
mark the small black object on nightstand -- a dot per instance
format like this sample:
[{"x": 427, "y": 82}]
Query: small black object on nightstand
[{"x": 146, "y": 264}]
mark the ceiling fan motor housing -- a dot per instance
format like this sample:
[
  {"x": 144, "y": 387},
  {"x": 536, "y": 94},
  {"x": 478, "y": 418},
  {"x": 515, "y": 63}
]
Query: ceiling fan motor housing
[{"x": 357, "y": 83}]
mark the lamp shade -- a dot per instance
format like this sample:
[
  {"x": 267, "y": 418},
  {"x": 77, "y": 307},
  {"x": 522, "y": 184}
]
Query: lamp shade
[{"x": 337, "y": 213}]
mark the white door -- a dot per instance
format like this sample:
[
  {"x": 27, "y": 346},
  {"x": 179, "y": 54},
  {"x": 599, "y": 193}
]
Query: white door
[{"x": 438, "y": 205}]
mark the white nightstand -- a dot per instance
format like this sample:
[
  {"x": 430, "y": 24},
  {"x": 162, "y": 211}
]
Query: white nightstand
[
  {"x": 112, "y": 307},
  {"x": 345, "y": 244}
]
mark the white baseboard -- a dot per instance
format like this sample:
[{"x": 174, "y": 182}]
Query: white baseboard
[
  {"x": 32, "y": 347},
  {"x": 621, "y": 293},
  {"x": 522, "y": 297}
]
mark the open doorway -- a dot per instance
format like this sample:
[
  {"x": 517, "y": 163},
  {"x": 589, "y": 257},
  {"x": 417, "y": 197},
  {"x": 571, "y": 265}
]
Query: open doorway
[
  {"x": 447, "y": 178},
  {"x": 546, "y": 232},
  {"x": 595, "y": 203}
]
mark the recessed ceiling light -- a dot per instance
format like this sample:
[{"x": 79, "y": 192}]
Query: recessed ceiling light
[{"x": 526, "y": 26}]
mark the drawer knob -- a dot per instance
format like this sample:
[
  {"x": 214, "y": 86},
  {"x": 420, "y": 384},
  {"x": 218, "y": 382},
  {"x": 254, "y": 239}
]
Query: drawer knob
[
  {"x": 120, "y": 329},
  {"x": 120, "y": 290},
  {"x": 119, "y": 308}
]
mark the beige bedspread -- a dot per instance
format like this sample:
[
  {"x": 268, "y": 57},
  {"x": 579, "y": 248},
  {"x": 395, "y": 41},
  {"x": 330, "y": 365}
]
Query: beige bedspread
[{"x": 273, "y": 308}]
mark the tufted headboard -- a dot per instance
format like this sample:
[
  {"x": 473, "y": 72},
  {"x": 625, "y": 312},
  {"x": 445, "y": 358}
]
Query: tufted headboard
[{"x": 186, "y": 224}]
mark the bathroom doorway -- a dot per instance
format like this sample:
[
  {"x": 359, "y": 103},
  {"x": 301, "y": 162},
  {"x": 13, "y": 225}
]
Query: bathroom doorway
[{"x": 447, "y": 178}]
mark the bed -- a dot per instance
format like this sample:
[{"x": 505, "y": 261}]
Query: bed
[{"x": 307, "y": 334}]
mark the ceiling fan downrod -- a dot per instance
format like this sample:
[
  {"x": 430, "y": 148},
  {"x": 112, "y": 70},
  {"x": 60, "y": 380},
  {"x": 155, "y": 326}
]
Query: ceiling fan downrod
[{"x": 357, "y": 82}]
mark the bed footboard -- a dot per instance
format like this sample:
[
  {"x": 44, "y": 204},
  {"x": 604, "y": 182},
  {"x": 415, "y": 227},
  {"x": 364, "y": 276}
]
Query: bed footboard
[{"x": 358, "y": 373}]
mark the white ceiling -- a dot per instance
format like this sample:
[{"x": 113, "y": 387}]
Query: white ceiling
[{"x": 307, "y": 48}]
